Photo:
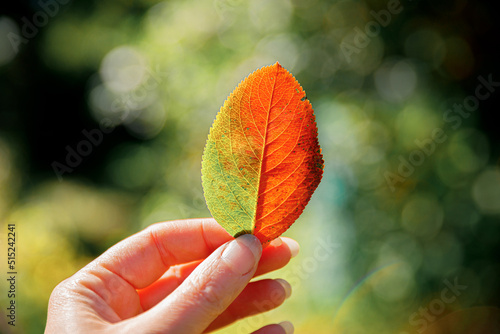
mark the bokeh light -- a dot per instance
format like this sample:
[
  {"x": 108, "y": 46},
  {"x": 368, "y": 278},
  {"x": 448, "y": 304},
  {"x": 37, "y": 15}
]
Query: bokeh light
[
  {"x": 8, "y": 29},
  {"x": 398, "y": 215}
]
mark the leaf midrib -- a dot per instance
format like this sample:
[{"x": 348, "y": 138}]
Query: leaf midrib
[{"x": 264, "y": 144}]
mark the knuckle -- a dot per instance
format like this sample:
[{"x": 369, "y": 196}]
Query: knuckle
[{"x": 211, "y": 299}]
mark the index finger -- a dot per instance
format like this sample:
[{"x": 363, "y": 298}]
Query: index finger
[{"x": 143, "y": 257}]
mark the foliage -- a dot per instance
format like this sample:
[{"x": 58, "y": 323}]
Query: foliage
[
  {"x": 262, "y": 160},
  {"x": 401, "y": 208}
]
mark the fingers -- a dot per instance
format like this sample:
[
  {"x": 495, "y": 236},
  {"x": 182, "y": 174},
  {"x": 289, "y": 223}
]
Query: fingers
[
  {"x": 275, "y": 256},
  {"x": 143, "y": 258},
  {"x": 206, "y": 293},
  {"x": 257, "y": 297},
  {"x": 156, "y": 292},
  {"x": 199, "y": 293},
  {"x": 284, "y": 327}
]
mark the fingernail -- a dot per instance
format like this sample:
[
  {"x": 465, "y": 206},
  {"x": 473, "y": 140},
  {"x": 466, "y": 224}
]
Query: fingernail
[
  {"x": 287, "y": 326},
  {"x": 243, "y": 253},
  {"x": 276, "y": 242},
  {"x": 292, "y": 245},
  {"x": 286, "y": 286}
]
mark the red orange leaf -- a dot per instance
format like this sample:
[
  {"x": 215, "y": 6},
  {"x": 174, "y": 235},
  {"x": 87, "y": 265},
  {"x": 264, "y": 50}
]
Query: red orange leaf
[{"x": 262, "y": 161}]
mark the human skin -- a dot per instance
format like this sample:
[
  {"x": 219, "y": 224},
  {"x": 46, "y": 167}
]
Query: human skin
[{"x": 185, "y": 276}]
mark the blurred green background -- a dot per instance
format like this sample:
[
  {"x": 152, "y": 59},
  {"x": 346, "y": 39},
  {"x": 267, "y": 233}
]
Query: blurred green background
[{"x": 400, "y": 237}]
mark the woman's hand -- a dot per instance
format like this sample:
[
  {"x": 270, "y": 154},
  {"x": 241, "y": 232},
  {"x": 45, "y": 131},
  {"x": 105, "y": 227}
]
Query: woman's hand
[{"x": 186, "y": 276}]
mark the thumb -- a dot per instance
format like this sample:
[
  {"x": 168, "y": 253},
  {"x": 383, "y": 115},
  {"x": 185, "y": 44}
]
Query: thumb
[{"x": 209, "y": 290}]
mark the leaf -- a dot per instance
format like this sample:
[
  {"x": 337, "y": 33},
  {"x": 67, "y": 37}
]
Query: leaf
[{"x": 262, "y": 161}]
